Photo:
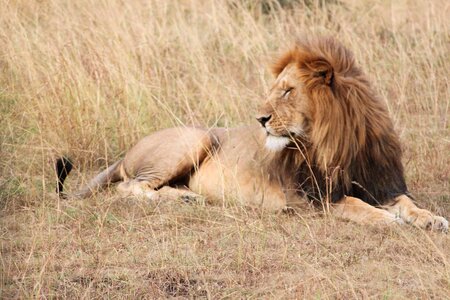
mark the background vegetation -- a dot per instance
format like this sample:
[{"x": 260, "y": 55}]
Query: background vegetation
[{"x": 88, "y": 78}]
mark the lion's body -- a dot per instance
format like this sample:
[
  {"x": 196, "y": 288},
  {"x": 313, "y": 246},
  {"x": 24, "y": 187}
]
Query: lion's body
[
  {"x": 325, "y": 136},
  {"x": 237, "y": 171}
]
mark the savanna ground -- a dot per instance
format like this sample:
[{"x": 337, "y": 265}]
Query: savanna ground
[{"x": 88, "y": 78}]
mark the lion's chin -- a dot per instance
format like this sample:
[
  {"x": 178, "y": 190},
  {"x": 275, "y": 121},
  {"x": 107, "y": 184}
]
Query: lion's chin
[{"x": 276, "y": 143}]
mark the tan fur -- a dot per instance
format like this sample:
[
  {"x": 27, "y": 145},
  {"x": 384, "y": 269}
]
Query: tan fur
[
  {"x": 327, "y": 128},
  {"x": 358, "y": 211},
  {"x": 422, "y": 218}
]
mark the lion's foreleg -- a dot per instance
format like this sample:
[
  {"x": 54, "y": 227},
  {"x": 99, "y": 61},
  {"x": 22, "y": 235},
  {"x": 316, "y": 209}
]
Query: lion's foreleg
[
  {"x": 356, "y": 210},
  {"x": 405, "y": 208}
]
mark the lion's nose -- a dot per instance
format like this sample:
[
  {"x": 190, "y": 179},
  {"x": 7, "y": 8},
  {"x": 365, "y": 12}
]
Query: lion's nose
[{"x": 264, "y": 119}]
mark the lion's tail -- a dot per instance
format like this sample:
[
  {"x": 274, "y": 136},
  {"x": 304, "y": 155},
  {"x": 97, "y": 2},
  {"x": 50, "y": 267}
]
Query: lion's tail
[{"x": 63, "y": 167}]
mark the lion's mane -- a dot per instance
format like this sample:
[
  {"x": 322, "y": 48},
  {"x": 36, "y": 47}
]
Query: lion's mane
[{"x": 352, "y": 148}]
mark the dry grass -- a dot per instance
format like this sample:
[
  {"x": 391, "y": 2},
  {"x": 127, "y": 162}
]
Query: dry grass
[{"x": 88, "y": 78}]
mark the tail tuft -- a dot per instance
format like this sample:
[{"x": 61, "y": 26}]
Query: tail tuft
[{"x": 63, "y": 167}]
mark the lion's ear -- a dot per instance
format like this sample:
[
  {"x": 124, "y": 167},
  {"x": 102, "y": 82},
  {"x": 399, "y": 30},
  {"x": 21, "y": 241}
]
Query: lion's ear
[{"x": 322, "y": 70}]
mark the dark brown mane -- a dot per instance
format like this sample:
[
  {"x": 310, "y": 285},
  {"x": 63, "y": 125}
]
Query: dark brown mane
[{"x": 353, "y": 147}]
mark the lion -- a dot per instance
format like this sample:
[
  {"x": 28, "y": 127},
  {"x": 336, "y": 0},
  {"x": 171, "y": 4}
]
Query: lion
[{"x": 323, "y": 137}]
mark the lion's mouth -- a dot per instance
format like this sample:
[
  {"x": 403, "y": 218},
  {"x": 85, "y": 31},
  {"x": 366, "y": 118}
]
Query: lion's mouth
[
  {"x": 277, "y": 143},
  {"x": 289, "y": 135}
]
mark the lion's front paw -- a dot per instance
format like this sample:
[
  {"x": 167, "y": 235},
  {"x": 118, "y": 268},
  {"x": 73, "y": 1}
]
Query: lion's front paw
[
  {"x": 440, "y": 224},
  {"x": 422, "y": 218}
]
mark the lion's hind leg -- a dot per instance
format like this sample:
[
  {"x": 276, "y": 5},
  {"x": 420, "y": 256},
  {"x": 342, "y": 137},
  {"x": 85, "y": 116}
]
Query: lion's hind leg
[
  {"x": 135, "y": 188},
  {"x": 164, "y": 159},
  {"x": 142, "y": 189},
  {"x": 405, "y": 208},
  {"x": 184, "y": 194}
]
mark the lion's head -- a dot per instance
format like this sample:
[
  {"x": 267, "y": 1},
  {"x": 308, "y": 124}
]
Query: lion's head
[
  {"x": 286, "y": 114},
  {"x": 322, "y": 97},
  {"x": 306, "y": 96}
]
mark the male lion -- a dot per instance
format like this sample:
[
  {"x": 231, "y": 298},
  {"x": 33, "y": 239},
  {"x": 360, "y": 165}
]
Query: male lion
[{"x": 325, "y": 137}]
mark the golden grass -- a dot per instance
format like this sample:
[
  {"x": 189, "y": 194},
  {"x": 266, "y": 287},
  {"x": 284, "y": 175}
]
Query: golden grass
[{"x": 88, "y": 78}]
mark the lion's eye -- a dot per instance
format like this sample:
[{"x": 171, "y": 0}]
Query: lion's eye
[{"x": 287, "y": 92}]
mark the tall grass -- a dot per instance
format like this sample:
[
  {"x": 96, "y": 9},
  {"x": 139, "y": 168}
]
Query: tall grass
[{"x": 88, "y": 78}]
